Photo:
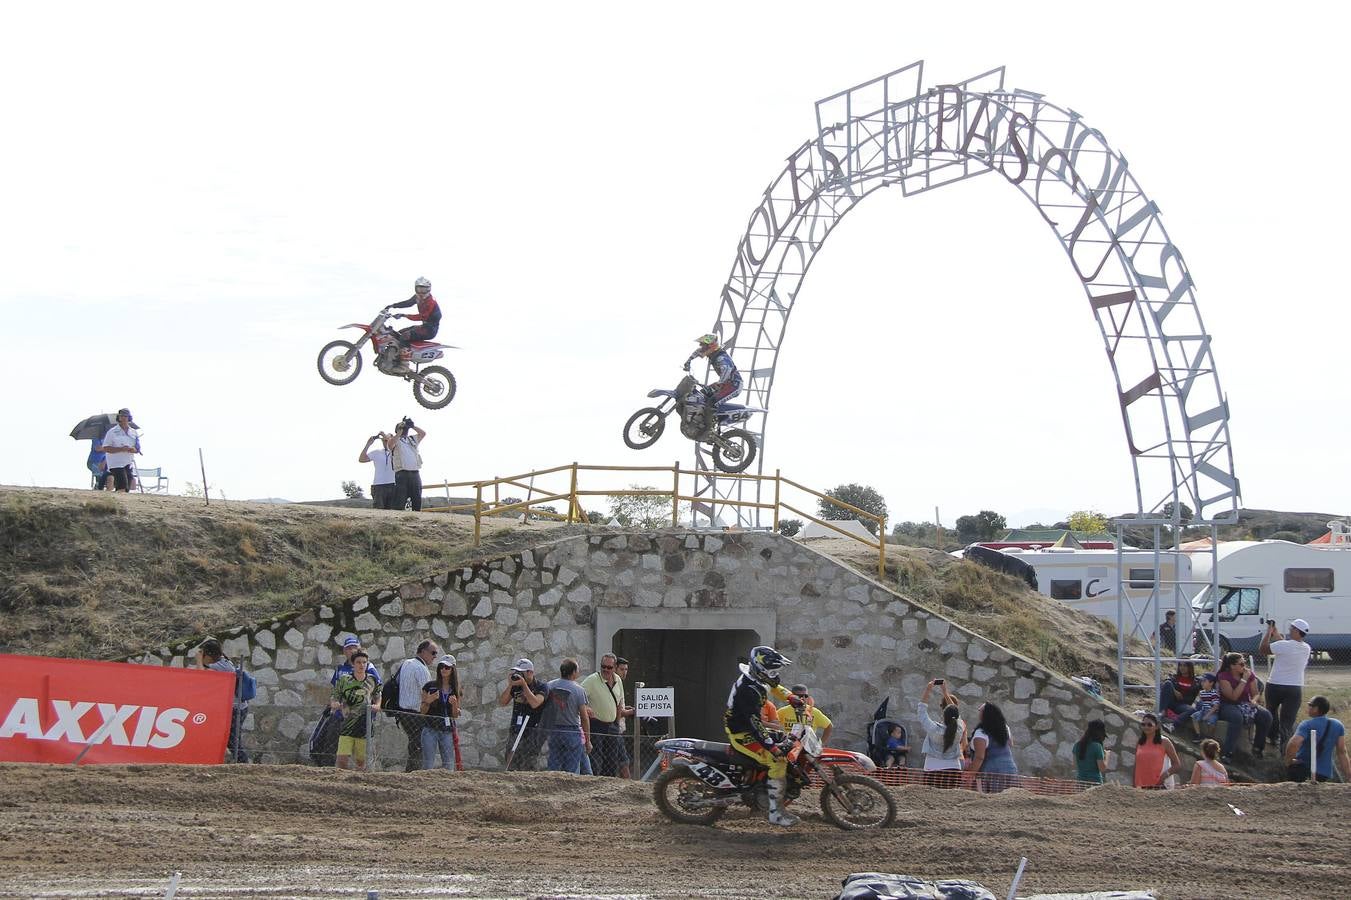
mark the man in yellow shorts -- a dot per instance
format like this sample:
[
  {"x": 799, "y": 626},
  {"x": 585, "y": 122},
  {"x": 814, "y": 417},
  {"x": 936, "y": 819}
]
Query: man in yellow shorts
[
  {"x": 354, "y": 691},
  {"x": 789, "y": 716},
  {"x": 750, "y": 734}
]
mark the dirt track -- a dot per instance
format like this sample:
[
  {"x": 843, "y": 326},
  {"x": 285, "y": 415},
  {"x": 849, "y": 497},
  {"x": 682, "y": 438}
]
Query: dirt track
[{"x": 270, "y": 832}]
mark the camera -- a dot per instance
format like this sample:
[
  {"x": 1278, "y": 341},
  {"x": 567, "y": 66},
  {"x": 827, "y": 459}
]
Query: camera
[
  {"x": 517, "y": 676},
  {"x": 1271, "y": 622},
  {"x": 407, "y": 423},
  {"x": 938, "y": 682}
]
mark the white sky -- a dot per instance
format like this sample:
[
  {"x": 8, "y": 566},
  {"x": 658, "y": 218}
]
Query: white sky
[{"x": 195, "y": 196}]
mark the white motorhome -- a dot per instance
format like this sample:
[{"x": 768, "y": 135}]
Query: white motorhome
[
  {"x": 1261, "y": 580},
  {"x": 1087, "y": 580}
]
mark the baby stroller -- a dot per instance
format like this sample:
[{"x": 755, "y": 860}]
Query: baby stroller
[{"x": 879, "y": 731}]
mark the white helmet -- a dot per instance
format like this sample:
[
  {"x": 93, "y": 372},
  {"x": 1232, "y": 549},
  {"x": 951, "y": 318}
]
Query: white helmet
[{"x": 422, "y": 283}]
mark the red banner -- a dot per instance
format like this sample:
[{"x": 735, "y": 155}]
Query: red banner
[{"x": 51, "y": 710}]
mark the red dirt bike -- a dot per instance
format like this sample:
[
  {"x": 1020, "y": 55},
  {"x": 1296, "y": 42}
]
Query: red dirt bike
[
  {"x": 705, "y": 778},
  {"x": 433, "y": 386}
]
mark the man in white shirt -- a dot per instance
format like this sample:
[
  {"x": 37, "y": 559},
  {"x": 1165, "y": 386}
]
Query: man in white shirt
[
  {"x": 1285, "y": 687},
  {"x": 413, "y": 674},
  {"x": 121, "y": 446},
  {"x": 382, "y": 487}
]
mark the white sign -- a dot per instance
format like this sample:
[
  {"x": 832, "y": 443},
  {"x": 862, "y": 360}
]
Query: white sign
[{"x": 656, "y": 703}]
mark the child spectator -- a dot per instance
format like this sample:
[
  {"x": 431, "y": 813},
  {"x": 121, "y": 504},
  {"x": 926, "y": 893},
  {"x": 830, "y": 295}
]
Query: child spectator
[
  {"x": 1207, "y": 710},
  {"x": 1209, "y": 769},
  {"x": 354, "y": 692},
  {"x": 897, "y": 748}
]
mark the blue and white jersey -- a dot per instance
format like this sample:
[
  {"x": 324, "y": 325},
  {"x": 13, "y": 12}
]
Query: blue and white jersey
[{"x": 721, "y": 362}]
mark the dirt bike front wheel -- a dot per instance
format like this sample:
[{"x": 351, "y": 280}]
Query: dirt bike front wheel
[
  {"x": 644, "y": 428},
  {"x": 339, "y": 362},
  {"x": 856, "y": 802},
  {"x": 677, "y": 791},
  {"x": 739, "y": 452},
  {"x": 434, "y": 387}
]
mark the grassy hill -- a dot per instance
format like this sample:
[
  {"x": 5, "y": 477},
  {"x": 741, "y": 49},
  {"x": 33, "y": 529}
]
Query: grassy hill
[{"x": 102, "y": 575}]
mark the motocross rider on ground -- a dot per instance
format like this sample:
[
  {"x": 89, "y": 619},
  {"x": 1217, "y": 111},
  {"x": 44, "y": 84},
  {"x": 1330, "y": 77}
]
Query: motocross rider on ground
[
  {"x": 746, "y": 728},
  {"x": 728, "y": 384},
  {"x": 428, "y": 314}
]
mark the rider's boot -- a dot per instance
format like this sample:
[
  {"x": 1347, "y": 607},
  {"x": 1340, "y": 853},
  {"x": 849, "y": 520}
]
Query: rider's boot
[{"x": 778, "y": 787}]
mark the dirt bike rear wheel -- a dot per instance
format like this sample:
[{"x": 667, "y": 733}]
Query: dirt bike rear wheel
[
  {"x": 866, "y": 804},
  {"x": 650, "y": 425},
  {"x": 434, "y": 387},
  {"x": 742, "y": 454},
  {"x": 344, "y": 370},
  {"x": 675, "y": 787}
]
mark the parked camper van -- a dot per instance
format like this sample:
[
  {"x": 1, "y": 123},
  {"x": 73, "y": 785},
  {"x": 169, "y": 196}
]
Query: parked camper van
[
  {"x": 1261, "y": 580},
  {"x": 1087, "y": 580}
]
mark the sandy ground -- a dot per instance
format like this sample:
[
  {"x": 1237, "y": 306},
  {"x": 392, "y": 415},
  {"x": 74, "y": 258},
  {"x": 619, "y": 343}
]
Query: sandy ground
[{"x": 270, "y": 832}]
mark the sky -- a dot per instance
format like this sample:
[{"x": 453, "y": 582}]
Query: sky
[{"x": 195, "y": 197}]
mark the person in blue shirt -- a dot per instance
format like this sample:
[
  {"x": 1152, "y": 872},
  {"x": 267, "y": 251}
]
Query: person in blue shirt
[
  {"x": 1331, "y": 738},
  {"x": 349, "y": 647}
]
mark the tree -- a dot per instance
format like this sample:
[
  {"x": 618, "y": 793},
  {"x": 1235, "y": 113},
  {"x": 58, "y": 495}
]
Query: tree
[
  {"x": 641, "y": 510},
  {"x": 859, "y": 495},
  {"x": 191, "y": 489},
  {"x": 1184, "y": 512},
  {"x": 1087, "y": 520},
  {"x": 353, "y": 491},
  {"x": 790, "y": 527},
  {"x": 985, "y": 525}
]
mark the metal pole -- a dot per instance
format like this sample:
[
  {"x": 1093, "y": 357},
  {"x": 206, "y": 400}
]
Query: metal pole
[
  {"x": 637, "y": 729},
  {"x": 1120, "y": 624},
  {"x": 675, "y": 494}
]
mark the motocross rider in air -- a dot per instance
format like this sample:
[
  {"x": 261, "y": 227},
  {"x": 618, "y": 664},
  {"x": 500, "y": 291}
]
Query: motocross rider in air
[
  {"x": 746, "y": 728},
  {"x": 428, "y": 314},
  {"x": 728, "y": 384}
]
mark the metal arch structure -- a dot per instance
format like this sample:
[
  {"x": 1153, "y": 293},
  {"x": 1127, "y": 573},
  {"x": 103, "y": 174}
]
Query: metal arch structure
[{"x": 893, "y": 132}]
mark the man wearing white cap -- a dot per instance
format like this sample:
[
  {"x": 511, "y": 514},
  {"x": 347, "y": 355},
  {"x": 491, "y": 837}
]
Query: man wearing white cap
[{"x": 1285, "y": 688}]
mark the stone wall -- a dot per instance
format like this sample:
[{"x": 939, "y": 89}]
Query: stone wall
[{"x": 852, "y": 639}]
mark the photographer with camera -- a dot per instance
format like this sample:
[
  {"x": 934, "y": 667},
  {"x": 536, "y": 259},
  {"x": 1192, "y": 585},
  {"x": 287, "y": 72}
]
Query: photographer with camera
[
  {"x": 526, "y": 695},
  {"x": 382, "y": 487},
  {"x": 406, "y": 457},
  {"x": 1285, "y": 684}
]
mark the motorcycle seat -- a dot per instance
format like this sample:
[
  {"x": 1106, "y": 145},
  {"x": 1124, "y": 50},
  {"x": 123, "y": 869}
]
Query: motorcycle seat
[
  {"x": 712, "y": 748},
  {"x": 423, "y": 345},
  {"x": 730, "y": 407}
]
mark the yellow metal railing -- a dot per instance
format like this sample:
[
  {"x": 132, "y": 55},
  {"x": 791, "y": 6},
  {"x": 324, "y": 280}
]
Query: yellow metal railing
[{"x": 488, "y": 498}]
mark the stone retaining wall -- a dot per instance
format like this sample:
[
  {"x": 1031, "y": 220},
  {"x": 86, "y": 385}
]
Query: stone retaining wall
[{"x": 853, "y": 640}]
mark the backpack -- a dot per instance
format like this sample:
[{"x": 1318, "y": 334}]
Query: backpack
[
  {"x": 246, "y": 686},
  {"x": 389, "y": 694}
]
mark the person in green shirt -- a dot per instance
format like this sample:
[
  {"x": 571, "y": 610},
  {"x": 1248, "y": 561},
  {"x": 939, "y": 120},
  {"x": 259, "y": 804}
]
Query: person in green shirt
[
  {"x": 356, "y": 693},
  {"x": 1090, "y": 757}
]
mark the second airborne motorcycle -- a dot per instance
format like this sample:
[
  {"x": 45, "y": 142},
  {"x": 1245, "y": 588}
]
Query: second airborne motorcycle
[
  {"x": 733, "y": 448},
  {"x": 433, "y": 386}
]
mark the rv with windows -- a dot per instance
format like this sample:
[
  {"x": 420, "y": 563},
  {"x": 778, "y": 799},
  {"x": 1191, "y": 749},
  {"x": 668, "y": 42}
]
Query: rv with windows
[
  {"x": 1261, "y": 580},
  {"x": 1087, "y": 580}
]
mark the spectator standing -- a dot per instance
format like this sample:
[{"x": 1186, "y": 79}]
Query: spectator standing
[
  {"x": 1090, "y": 753},
  {"x": 789, "y": 716},
  {"x": 382, "y": 485},
  {"x": 440, "y": 706},
  {"x": 622, "y": 674},
  {"x": 1155, "y": 755},
  {"x": 210, "y": 656},
  {"x": 1177, "y": 694},
  {"x": 1209, "y": 769},
  {"x": 605, "y": 697},
  {"x": 355, "y": 690},
  {"x": 526, "y": 695},
  {"x": 412, "y": 675},
  {"x": 565, "y": 711},
  {"x": 120, "y": 446},
  {"x": 1238, "y": 705},
  {"x": 350, "y": 645},
  {"x": 992, "y": 751},
  {"x": 1331, "y": 738},
  {"x": 944, "y": 745},
  {"x": 405, "y": 447},
  {"x": 1168, "y": 633},
  {"x": 1285, "y": 684}
]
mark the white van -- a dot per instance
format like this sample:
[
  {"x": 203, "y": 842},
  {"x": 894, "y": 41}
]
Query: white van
[
  {"x": 1087, "y": 580},
  {"x": 1261, "y": 580}
]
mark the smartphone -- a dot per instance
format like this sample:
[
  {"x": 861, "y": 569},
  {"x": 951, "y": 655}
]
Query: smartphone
[{"x": 938, "y": 682}]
